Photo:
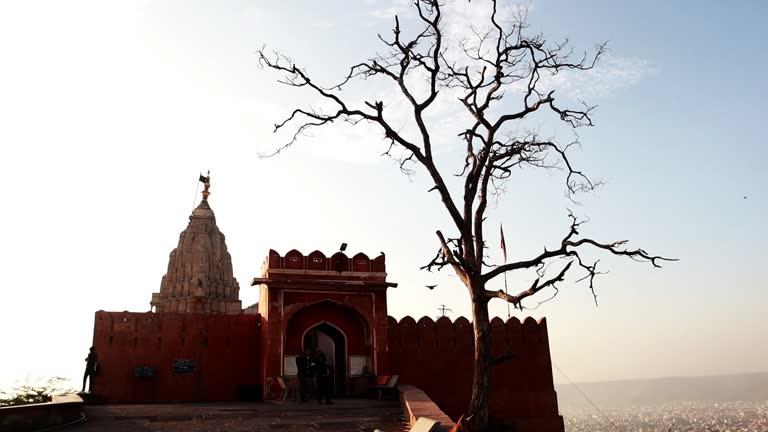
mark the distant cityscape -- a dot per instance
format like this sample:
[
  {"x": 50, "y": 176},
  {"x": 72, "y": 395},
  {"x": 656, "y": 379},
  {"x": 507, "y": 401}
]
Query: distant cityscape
[
  {"x": 719, "y": 403},
  {"x": 702, "y": 416}
]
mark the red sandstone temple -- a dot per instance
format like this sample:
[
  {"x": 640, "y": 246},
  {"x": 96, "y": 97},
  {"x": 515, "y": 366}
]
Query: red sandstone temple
[{"x": 199, "y": 344}]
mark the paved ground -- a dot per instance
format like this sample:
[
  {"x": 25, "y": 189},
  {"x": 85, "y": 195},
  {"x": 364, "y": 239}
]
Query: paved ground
[{"x": 346, "y": 415}]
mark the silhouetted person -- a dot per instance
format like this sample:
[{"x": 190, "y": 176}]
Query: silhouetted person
[
  {"x": 302, "y": 368},
  {"x": 91, "y": 367},
  {"x": 322, "y": 376}
]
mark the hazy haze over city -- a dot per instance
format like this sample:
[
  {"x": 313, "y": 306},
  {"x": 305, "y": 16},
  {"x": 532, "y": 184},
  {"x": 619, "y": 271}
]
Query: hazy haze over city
[{"x": 109, "y": 110}]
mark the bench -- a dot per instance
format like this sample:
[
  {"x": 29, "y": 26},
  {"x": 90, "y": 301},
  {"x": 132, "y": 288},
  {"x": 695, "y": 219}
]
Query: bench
[
  {"x": 288, "y": 387},
  {"x": 384, "y": 384}
]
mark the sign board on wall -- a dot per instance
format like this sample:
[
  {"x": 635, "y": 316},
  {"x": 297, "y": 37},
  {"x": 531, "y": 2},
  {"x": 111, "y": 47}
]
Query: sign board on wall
[
  {"x": 183, "y": 366},
  {"x": 143, "y": 372}
]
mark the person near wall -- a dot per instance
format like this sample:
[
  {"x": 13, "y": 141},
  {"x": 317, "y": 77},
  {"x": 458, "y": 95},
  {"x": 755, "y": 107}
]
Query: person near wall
[
  {"x": 322, "y": 376},
  {"x": 302, "y": 370},
  {"x": 91, "y": 367}
]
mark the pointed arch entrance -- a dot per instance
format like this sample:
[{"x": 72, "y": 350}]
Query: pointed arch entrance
[
  {"x": 341, "y": 333},
  {"x": 333, "y": 344}
]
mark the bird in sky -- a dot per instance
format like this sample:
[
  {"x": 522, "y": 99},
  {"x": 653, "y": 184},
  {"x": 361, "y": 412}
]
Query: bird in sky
[{"x": 431, "y": 286}]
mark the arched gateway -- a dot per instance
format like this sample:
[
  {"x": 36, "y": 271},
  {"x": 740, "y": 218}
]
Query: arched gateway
[
  {"x": 337, "y": 305},
  {"x": 340, "y": 332}
]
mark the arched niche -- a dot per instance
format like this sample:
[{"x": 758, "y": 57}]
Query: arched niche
[
  {"x": 294, "y": 260},
  {"x": 317, "y": 261},
  {"x": 377, "y": 265},
  {"x": 361, "y": 263},
  {"x": 274, "y": 259},
  {"x": 339, "y": 262}
]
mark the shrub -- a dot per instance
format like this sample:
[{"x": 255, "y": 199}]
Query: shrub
[{"x": 33, "y": 391}]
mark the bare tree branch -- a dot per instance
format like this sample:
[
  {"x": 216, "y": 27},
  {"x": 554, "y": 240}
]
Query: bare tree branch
[
  {"x": 498, "y": 61},
  {"x": 535, "y": 287},
  {"x": 569, "y": 248}
]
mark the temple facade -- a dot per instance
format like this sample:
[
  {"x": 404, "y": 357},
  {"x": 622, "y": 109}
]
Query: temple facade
[{"x": 199, "y": 344}]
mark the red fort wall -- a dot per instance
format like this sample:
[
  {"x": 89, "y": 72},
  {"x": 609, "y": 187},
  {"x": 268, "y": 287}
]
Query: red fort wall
[
  {"x": 225, "y": 350},
  {"x": 231, "y": 356},
  {"x": 437, "y": 357}
]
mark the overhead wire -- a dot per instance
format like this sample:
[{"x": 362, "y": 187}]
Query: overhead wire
[
  {"x": 194, "y": 199},
  {"x": 587, "y": 398}
]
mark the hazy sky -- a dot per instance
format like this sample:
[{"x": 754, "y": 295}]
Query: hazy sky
[{"x": 109, "y": 110}]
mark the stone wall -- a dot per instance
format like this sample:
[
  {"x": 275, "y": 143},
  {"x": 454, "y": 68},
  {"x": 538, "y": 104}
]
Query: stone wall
[
  {"x": 61, "y": 411},
  {"x": 149, "y": 357},
  {"x": 437, "y": 357}
]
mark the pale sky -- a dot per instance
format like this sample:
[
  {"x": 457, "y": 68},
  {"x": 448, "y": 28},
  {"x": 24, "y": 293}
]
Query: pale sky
[{"x": 109, "y": 110}]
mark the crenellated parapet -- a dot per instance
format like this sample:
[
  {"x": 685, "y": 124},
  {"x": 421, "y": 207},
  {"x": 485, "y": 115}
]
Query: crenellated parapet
[
  {"x": 450, "y": 335},
  {"x": 426, "y": 352},
  {"x": 317, "y": 264}
]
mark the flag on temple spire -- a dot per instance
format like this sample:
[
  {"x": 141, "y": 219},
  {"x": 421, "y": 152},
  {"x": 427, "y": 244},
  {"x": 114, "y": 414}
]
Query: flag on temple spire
[{"x": 503, "y": 243}]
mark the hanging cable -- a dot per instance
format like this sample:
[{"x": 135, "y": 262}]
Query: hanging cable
[
  {"x": 194, "y": 199},
  {"x": 585, "y": 397}
]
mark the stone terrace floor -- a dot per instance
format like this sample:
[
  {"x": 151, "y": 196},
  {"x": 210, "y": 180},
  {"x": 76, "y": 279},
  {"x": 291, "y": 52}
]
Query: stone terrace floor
[{"x": 347, "y": 415}]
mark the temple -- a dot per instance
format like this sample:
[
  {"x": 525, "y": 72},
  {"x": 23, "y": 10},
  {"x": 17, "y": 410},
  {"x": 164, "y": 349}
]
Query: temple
[
  {"x": 199, "y": 277},
  {"x": 199, "y": 344}
]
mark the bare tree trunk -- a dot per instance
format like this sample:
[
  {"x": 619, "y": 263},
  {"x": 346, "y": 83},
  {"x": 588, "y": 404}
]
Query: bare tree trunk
[{"x": 478, "y": 406}]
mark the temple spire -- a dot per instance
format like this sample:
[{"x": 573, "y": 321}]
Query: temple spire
[{"x": 199, "y": 278}]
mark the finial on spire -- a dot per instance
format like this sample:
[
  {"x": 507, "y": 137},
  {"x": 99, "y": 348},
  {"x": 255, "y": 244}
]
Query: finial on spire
[{"x": 206, "y": 180}]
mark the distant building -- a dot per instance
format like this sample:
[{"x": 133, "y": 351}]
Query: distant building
[{"x": 199, "y": 344}]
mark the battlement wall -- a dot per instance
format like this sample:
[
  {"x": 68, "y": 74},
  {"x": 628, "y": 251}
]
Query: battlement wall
[
  {"x": 437, "y": 357},
  {"x": 159, "y": 357},
  {"x": 318, "y": 262}
]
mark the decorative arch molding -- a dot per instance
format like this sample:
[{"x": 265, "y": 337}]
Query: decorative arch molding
[
  {"x": 297, "y": 308},
  {"x": 353, "y": 325},
  {"x": 328, "y": 323}
]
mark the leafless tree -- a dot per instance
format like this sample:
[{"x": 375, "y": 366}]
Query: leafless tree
[{"x": 499, "y": 60}]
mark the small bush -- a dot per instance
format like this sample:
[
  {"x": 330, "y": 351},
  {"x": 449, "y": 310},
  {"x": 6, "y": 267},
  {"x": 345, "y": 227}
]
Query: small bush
[{"x": 33, "y": 391}]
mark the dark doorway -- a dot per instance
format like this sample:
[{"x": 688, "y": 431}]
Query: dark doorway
[{"x": 332, "y": 343}]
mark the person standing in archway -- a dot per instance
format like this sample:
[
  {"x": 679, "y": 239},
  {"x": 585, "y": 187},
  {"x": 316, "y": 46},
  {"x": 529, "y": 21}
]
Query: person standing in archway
[
  {"x": 302, "y": 368},
  {"x": 322, "y": 376}
]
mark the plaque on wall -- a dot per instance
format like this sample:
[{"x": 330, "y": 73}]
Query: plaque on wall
[
  {"x": 183, "y": 366},
  {"x": 143, "y": 372}
]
